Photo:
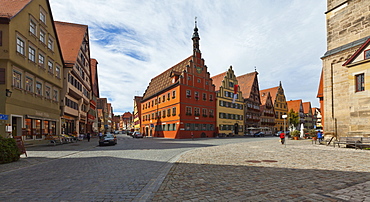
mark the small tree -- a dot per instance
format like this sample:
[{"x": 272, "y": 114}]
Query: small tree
[{"x": 293, "y": 118}]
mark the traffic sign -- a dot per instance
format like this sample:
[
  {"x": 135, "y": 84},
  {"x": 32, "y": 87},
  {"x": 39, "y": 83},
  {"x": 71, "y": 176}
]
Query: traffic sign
[{"x": 3, "y": 117}]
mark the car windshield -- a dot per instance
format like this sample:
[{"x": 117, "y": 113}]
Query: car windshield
[{"x": 109, "y": 136}]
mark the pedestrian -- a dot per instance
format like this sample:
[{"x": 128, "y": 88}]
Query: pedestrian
[
  {"x": 100, "y": 135},
  {"x": 88, "y": 136},
  {"x": 282, "y": 137},
  {"x": 319, "y": 136}
]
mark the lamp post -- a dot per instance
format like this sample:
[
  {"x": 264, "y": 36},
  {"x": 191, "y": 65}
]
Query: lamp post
[{"x": 284, "y": 116}]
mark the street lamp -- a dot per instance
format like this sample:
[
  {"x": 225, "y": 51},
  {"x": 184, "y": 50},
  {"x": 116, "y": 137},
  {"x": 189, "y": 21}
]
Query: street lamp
[
  {"x": 284, "y": 116},
  {"x": 8, "y": 93}
]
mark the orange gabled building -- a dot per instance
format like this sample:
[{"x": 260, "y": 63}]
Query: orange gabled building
[
  {"x": 180, "y": 102},
  {"x": 297, "y": 107}
]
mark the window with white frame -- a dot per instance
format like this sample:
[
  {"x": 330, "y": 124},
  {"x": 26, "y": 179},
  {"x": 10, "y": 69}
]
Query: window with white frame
[
  {"x": 42, "y": 36},
  {"x": 188, "y": 93},
  {"x": 55, "y": 95},
  {"x": 57, "y": 71},
  {"x": 50, "y": 66},
  {"x": 29, "y": 84},
  {"x": 20, "y": 45},
  {"x": 51, "y": 43},
  {"x": 47, "y": 92},
  {"x": 41, "y": 60},
  {"x": 31, "y": 54},
  {"x": 38, "y": 88},
  {"x": 17, "y": 79},
  {"x": 42, "y": 17},
  {"x": 33, "y": 27}
]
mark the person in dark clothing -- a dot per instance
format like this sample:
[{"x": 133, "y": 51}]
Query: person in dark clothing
[{"x": 88, "y": 137}]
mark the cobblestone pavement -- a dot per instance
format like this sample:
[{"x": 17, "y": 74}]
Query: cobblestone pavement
[
  {"x": 157, "y": 169},
  {"x": 269, "y": 171},
  {"x": 132, "y": 170}
]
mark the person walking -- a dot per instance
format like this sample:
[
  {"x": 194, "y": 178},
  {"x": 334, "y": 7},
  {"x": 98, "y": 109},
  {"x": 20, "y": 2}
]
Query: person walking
[
  {"x": 282, "y": 137},
  {"x": 319, "y": 136},
  {"x": 88, "y": 137}
]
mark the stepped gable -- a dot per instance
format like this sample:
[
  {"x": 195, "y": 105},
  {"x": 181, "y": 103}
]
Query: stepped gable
[
  {"x": 71, "y": 37},
  {"x": 10, "y": 8},
  {"x": 246, "y": 83},
  {"x": 273, "y": 92},
  {"x": 163, "y": 80},
  {"x": 217, "y": 80}
]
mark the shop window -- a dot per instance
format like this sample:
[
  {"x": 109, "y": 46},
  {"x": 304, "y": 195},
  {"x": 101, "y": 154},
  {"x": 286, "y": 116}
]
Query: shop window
[
  {"x": 37, "y": 129},
  {"x": 28, "y": 129}
]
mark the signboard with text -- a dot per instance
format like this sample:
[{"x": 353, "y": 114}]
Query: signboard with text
[{"x": 3, "y": 117}]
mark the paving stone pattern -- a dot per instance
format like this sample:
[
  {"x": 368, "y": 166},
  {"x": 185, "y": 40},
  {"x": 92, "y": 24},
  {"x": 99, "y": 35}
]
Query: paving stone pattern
[
  {"x": 269, "y": 171},
  {"x": 212, "y": 169}
]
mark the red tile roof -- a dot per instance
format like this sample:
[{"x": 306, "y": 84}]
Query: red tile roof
[
  {"x": 164, "y": 80},
  {"x": 320, "y": 91},
  {"x": 70, "y": 38},
  {"x": 264, "y": 97},
  {"x": 127, "y": 115},
  {"x": 273, "y": 92},
  {"x": 217, "y": 80},
  {"x": 10, "y": 8},
  {"x": 246, "y": 83},
  {"x": 295, "y": 105},
  {"x": 306, "y": 107}
]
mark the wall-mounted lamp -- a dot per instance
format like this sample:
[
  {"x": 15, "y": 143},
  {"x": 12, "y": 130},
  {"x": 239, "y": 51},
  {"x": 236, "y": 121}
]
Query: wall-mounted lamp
[{"x": 8, "y": 93}]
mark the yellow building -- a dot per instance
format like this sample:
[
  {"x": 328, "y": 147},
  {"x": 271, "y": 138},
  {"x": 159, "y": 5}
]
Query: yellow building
[
  {"x": 31, "y": 70},
  {"x": 358, "y": 67},
  {"x": 229, "y": 110}
]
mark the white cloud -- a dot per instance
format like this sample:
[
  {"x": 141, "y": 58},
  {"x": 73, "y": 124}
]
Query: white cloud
[{"x": 135, "y": 40}]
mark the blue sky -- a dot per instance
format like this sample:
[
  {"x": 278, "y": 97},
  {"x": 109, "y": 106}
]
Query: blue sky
[{"x": 135, "y": 40}]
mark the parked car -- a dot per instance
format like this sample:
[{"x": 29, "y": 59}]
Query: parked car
[
  {"x": 108, "y": 139},
  {"x": 287, "y": 133},
  {"x": 259, "y": 134},
  {"x": 137, "y": 135}
]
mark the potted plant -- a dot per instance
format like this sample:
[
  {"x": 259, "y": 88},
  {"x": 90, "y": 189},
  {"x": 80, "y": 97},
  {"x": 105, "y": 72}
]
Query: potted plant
[
  {"x": 313, "y": 134},
  {"x": 295, "y": 134}
]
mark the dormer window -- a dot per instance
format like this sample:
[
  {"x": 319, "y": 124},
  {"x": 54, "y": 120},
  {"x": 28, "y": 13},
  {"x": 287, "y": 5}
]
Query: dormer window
[{"x": 367, "y": 54}]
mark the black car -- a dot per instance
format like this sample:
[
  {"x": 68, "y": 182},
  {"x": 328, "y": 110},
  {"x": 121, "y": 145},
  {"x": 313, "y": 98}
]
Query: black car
[
  {"x": 259, "y": 134},
  {"x": 108, "y": 139}
]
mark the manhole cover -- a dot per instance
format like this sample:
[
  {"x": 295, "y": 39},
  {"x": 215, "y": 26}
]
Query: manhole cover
[{"x": 253, "y": 161}]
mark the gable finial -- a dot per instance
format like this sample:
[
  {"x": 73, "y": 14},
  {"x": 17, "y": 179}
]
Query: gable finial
[
  {"x": 195, "y": 21},
  {"x": 255, "y": 68}
]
